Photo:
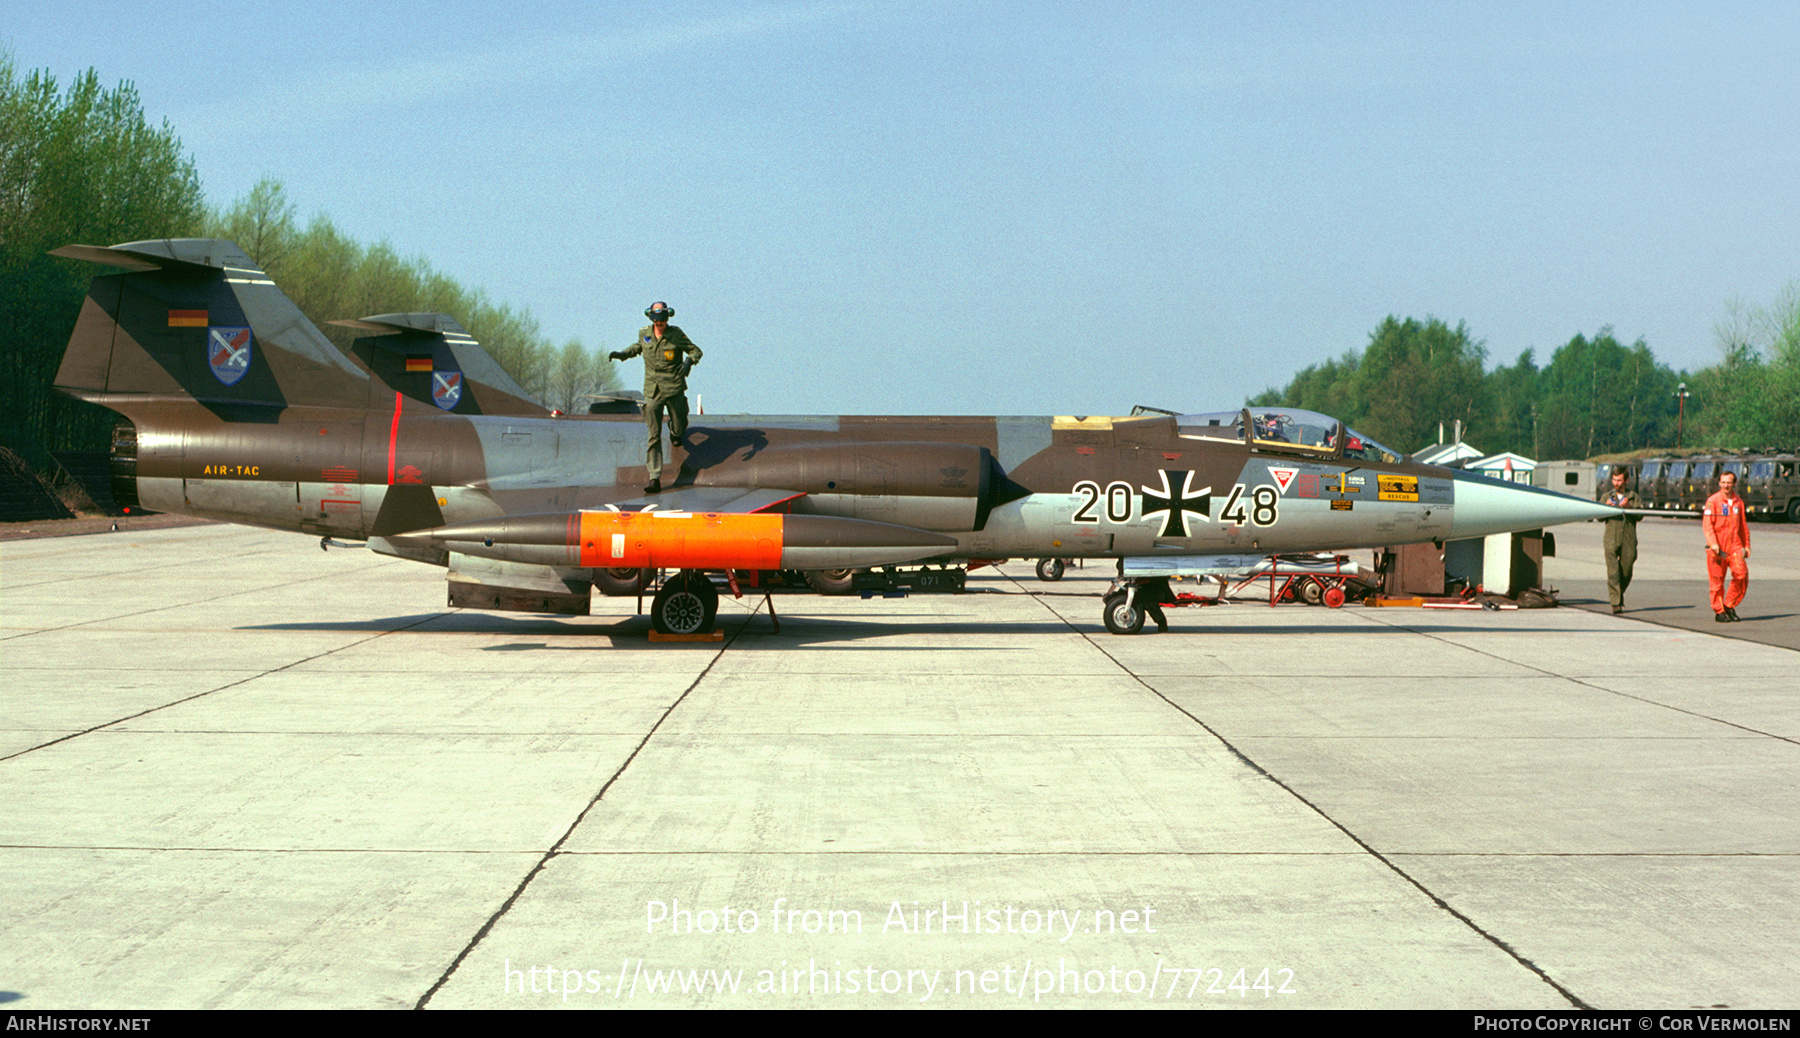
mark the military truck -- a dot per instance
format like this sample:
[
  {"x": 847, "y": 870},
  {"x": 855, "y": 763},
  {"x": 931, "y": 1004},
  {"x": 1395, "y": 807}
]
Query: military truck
[{"x": 1769, "y": 482}]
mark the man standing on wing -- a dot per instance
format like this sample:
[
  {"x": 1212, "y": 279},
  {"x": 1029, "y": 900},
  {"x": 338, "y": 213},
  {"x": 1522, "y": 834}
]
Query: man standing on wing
[{"x": 668, "y": 354}]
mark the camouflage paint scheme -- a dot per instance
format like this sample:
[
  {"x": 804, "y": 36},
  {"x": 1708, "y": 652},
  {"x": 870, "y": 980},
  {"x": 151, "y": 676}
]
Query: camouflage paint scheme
[{"x": 419, "y": 444}]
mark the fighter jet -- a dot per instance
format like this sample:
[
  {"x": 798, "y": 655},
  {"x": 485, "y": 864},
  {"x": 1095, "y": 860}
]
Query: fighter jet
[{"x": 417, "y": 445}]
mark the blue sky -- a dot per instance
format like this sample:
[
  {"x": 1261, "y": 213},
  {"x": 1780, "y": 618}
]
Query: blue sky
[{"x": 872, "y": 207}]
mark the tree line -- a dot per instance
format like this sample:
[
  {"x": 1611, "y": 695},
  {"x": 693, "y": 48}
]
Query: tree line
[
  {"x": 1596, "y": 396},
  {"x": 330, "y": 276},
  {"x": 83, "y": 164},
  {"x": 76, "y": 165}
]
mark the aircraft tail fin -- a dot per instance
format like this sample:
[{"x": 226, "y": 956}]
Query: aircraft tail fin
[
  {"x": 430, "y": 358},
  {"x": 194, "y": 318}
]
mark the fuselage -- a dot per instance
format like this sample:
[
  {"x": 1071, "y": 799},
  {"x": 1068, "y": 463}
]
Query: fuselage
[
  {"x": 416, "y": 441},
  {"x": 1007, "y": 486}
]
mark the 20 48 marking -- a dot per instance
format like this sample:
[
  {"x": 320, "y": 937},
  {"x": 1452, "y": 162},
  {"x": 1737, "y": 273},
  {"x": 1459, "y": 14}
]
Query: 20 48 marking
[{"x": 1264, "y": 510}]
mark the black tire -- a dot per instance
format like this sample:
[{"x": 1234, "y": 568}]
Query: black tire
[
  {"x": 1050, "y": 569},
  {"x": 1793, "y": 510},
  {"x": 686, "y": 604},
  {"x": 1121, "y": 618},
  {"x": 830, "y": 581},
  {"x": 1312, "y": 592},
  {"x": 708, "y": 590},
  {"x": 621, "y": 582}
]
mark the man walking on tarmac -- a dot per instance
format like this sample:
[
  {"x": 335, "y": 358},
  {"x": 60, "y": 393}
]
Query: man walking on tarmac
[
  {"x": 1727, "y": 548},
  {"x": 1621, "y": 540},
  {"x": 668, "y": 354}
]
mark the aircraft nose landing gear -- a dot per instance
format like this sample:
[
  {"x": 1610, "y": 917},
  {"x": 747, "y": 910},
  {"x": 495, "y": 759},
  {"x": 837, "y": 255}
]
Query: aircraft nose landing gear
[
  {"x": 1122, "y": 613},
  {"x": 1132, "y": 600}
]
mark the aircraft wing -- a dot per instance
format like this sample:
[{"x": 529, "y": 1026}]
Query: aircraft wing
[
  {"x": 541, "y": 562},
  {"x": 736, "y": 500}
]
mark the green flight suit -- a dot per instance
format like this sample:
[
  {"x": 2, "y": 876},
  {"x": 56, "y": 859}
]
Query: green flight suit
[
  {"x": 665, "y": 385},
  {"x": 1621, "y": 545}
]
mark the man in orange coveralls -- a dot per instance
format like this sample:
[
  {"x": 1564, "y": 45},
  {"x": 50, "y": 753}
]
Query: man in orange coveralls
[{"x": 1727, "y": 547}]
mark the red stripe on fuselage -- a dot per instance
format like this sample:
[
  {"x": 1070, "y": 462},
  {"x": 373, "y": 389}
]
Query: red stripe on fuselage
[{"x": 394, "y": 436}]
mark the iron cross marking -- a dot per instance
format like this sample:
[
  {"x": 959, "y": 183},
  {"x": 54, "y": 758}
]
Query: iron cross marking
[{"x": 1177, "y": 504}]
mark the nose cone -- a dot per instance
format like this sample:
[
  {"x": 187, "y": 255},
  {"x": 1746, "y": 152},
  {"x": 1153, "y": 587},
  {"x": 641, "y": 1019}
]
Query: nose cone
[{"x": 1483, "y": 506}]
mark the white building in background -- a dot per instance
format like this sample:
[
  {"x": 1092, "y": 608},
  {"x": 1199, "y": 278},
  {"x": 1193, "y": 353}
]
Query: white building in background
[
  {"x": 1446, "y": 454},
  {"x": 1514, "y": 468}
]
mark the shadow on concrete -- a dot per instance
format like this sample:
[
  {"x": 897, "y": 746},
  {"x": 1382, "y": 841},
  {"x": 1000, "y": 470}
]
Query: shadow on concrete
[{"x": 1683, "y": 604}]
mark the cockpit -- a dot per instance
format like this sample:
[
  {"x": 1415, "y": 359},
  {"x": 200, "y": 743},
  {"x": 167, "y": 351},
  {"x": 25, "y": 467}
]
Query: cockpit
[{"x": 1286, "y": 430}]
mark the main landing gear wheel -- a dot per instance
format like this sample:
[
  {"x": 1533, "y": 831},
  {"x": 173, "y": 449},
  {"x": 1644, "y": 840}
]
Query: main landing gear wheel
[
  {"x": 830, "y": 581},
  {"x": 621, "y": 582},
  {"x": 1050, "y": 569},
  {"x": 687, "y": 604},
  {"x": 1121, "y": 618}
]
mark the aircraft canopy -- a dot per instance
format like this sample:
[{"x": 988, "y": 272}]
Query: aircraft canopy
[{"x": 1287, "y": 430}]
